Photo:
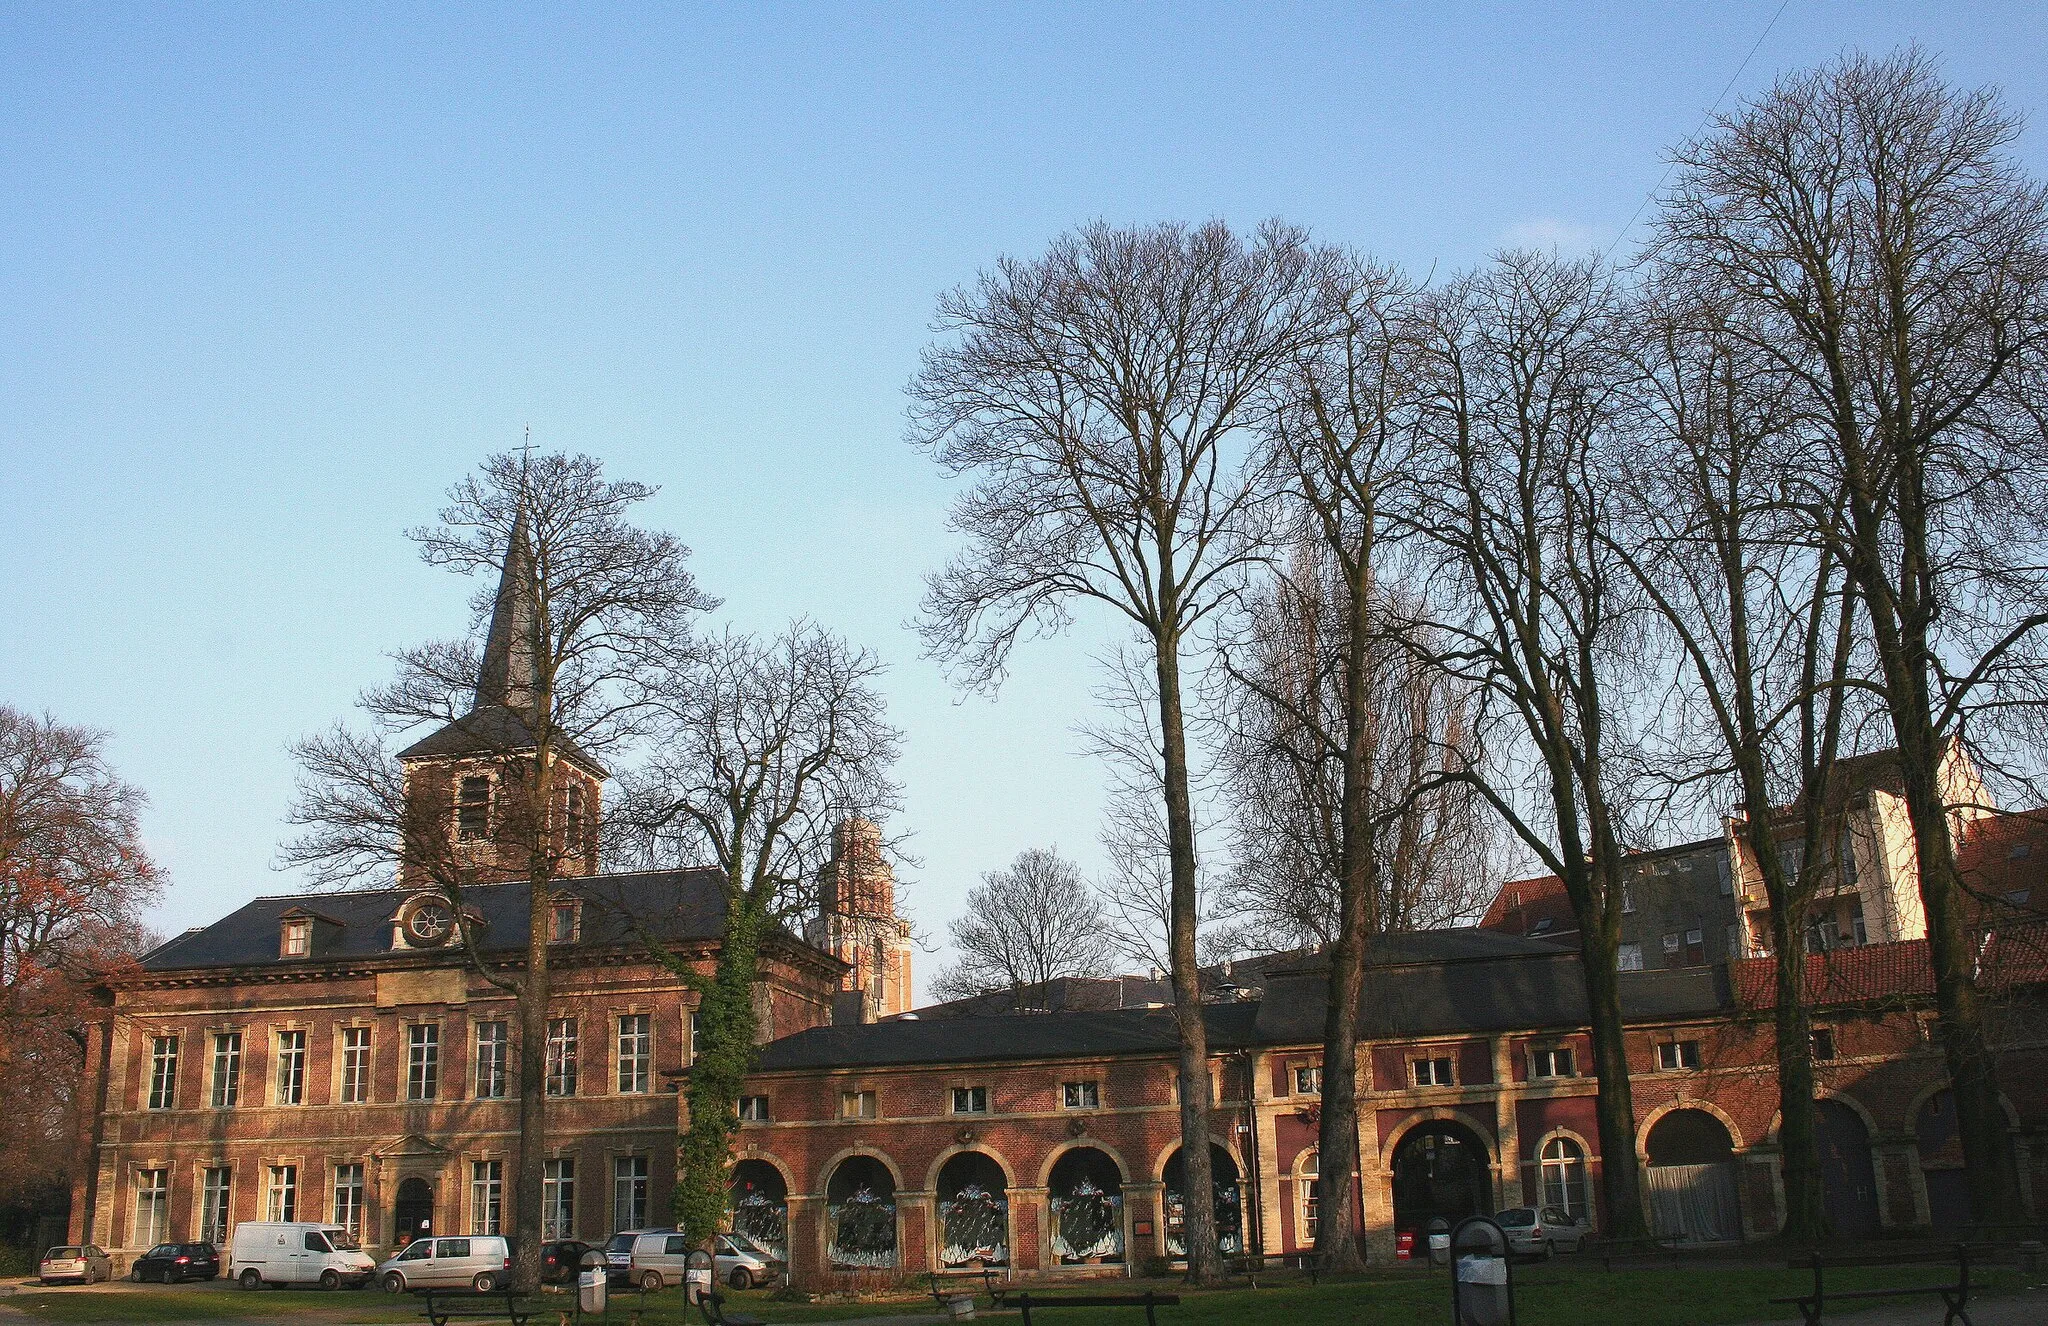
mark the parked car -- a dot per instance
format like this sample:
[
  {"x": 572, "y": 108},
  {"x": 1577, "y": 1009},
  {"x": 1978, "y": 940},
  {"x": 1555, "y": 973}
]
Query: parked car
[
  {"x": 562, "y": 1260},
  {"x": 297, "y": 1252},
  {"x": 480, "y": 1261},
  {"x": 660, "y": 1257},
  {"x": 175, "y": 1262},
  {"x": 75, "y": 1261},
  {"x": 743, "y": 1263},
  {"x": 618, "y": 1253},
  {"x": 1539, "y": 1231}
]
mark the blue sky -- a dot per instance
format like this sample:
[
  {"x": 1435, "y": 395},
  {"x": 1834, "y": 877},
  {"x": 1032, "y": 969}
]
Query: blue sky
[{"x": 270, "y": 279}]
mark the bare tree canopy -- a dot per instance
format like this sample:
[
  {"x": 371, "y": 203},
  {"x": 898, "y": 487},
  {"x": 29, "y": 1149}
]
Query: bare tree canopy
[
  {"x": 1026, "y": 926},
  {"x": 1875, "y": 243},
  {"x": 1098, "y": 397},
  {"x": 556, "y": 673},
  {"x": 73, "y": 878},
  {"x": 761, "y": 747}
]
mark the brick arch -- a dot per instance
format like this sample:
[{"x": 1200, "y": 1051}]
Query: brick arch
[
  {"x": 773, "y": 1161},
  {"x": 1441, "y": 1114},
  {"x": 1736, "y": 1143},
  {"x": 1052, "y": 1158},
  {"x": 1927, "y": 1093},
  {"x": 873, "y": 1153},
  {"x": 1157, "y": 1174},
  {"x": 1821, "y": 1093},
  {"x": 931, "y": 1178}
]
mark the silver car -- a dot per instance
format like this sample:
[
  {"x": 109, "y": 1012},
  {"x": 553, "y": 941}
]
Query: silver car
[
  {"x": 75, "y": 1261},
  {"x": 1538, "y": 1231},
  {"x": 482, "y": 1262}
]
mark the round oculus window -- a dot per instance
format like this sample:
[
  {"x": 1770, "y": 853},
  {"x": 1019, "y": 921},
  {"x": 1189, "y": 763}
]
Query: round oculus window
[{"x": 430, "y": 922}]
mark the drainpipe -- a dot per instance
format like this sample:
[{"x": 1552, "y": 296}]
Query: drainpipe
[{"x": 1248, "y": 1129}]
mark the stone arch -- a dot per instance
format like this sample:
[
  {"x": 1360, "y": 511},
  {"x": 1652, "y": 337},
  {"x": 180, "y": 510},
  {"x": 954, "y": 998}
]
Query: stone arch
[
  {"x": 863, "y": 1227},
  {"x": 1656, "y": 1116},
  {"x": 839, "y": 1157},
  {"x": 1053, "y": 1157},
  {"x": 1848, "y": 1168},
  {"x": 1441, "y": 1114},
  {"x": 1777, "y": 1123},
  {"x": 1689, "y": 1152},
  {"x": 773, "y": 1161},
  {"x": 971, "y": 1204},
  {"x": 931, "y": 1177},
  {"x": 1226, "y": 1199},
  {"x": 1160, "y": 1157},
  {"x": 1086, "y": 1209},
  {"x": 1443, "y": 1167},
  {"x": 757, "y": 1196},
  {"x": 1929, "y": 1092}
]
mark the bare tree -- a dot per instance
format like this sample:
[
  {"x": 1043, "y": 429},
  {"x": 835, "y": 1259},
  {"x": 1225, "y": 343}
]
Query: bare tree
[
  {"x": 1098, "y": 396},
  {"x": 1717, "y": 515},
  {"x": 73, "y": 877},
  {"x": 554, "y": 676},
  {"x": 761, "y": 746},
  {"x": 1351, "y": 818},
  {"x": 1532, "y": 609},
  {"x": 1026, "y": 926},
  {"x": 1886, "y": 254}
]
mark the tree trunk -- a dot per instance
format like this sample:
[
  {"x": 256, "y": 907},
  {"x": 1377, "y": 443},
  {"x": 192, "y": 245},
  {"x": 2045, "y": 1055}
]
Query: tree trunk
[
  {"x": 1799, "y": 1151},
  {"x": 1199, "y": 1190},
  {"x": 533, "y": 1045},
  {"x": 1620, "y": 1177}
]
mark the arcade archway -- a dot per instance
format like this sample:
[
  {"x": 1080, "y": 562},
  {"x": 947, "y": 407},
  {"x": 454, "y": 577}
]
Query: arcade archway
[
  {"x": 1440, "y": 1171},
  {"x": 760, "y": 1206},
  {"x": 974, "y": 1211},
  {"x": 860, "y": 1212},
  {"x": 1691, "y": 1178},
  {"x": 1086, "y": 1195},
  {"x": 1227, "y": 1201}
]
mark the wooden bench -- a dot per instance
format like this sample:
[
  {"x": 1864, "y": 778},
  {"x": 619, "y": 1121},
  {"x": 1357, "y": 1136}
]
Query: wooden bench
[
  {"x": 996, "y": 1290},
  {"x": 1147, "y": 1300},
  {"x": 712, "y": 1305},
  {"x": 1954, "y": 1295},
  {"x": 1637, "y": 1254},
  {"x": 497, "y": 1305},
  {"x": 1303, "y": 1261}
]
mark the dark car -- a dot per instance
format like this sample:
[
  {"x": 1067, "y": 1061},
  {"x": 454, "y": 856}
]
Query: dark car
[
  {"x": 172, "y": 1262},
  {"x": 561, "y": 1260}
]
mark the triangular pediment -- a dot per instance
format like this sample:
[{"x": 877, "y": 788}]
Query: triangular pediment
[{"x": 412, "y": 1144}]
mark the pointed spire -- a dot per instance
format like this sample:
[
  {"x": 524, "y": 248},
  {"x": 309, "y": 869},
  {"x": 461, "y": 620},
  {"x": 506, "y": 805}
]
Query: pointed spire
[{"x": 510, "y": 672}]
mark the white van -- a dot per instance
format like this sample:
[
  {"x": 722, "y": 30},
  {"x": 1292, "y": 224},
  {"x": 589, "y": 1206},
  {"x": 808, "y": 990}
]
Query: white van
[
  {"x": 482, "y": 1262},
  {"x": 660, "y": 1256},
  {"x": 297, "y": 1252}
]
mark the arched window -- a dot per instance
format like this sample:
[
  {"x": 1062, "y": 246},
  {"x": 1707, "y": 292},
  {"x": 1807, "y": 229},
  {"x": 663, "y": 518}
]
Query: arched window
[
  {"x": 1564, "y": 1177},
  {"x": 1309, "y": 1189},
  {"x": 860, "y": 1210},
  {"x": 473, "y": 808}
]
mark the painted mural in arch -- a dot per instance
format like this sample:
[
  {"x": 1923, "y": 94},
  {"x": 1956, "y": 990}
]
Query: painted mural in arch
[
  {"x": 1086, "y": 1193},
  {"x": 1228, "y": 1201},
  {"x": 760, "y": 1206},
  {"x": 974, "y": 1211},
  {"x": 860, "y": 1211}
]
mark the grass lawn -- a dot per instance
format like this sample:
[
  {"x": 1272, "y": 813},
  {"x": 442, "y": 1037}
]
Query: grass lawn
[{"x": 1558, "y": 1294}]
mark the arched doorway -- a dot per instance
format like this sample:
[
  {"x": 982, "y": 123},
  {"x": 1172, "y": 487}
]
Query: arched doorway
[
  {"x": 760, "y": 1206},
  {"x": 1940, "y": 1136},
  {"x": 412, "y": 1214},
  {"x": 1086, "y": 1195},
  {"x": 1848, "y": 1178},
  {"x": 1691, "y": 1178},
  {"x": 974, "y": 1211},
  {"x": 860, "y": 1212},
  {"x": 1440, "y": 1170},
  {"x": 1227, "y": 1199}
]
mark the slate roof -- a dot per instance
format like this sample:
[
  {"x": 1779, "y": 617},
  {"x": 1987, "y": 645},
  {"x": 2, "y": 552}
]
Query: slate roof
[
  {"x": 491, "y": 729},
  {"x": 1101, "y": 993},
  {"x": 1015, "y": 1036},
  {"x": 675, "y": 905}
]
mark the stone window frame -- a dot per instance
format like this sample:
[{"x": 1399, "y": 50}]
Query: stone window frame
[
  {"x": 1819, "y": 1033},
  {"x": 612, "y": 1157},
  {"x": 155, "y": 1165},
  {"x": 155, "y": 1037},
  {"x": 956, "y": 1089},
  {"x": 1094, "y": 1082},
  {"x": 202, "y": 1166},
  {"x": 299, "y": 929},
  {"x": 267, "y": 1167},
  {"x": 339, "y": 1065},
  {"x": 1552, "y": 1046},
  {"x": 1304, "y": 1237},
  {"x": 1677, "y": 1045},
  {"x": 1430, "y": 1054},
  {"x": 618, "y": 1013},
  {"x": 475, "y": 1022},
  {"x": 213, "y": 1032},
  {"x": 406, "y": 1090},
  {"x": 867, "y": 1100},
  {"x": 1295, "y": 1068},
  {"x": 571, "y": 1062},
  {"x": 333, "y": 1189},
  {"x": 489, "y": 777},
  {"x": 274, "y": 1082},
  {"x": 470, "y": 1160},
  {"x": 570, "y": 903},
  {"x": 765, "y": 1114}
]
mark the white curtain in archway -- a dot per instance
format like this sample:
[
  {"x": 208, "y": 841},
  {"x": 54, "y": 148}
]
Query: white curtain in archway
[{"x": 1694, "y": 1202}]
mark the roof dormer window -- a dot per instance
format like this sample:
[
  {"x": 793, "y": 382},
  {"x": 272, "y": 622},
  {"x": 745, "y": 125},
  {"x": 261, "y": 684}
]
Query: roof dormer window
[
  {"x": 562, "y": 923},
  {"x": 473, "y": 808},
  {"x": 296, "y": 940}
]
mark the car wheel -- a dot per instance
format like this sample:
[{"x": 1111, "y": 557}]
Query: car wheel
[
  {"x": 330, "y": 1281},
  {"x": 394, "y": 1283},
  {"x": 739, "y": 1279},
  {"x": 484, "y": 1283},
  {"x": 651, "y": 1282},
  {"x": 251, "y": 1279}
]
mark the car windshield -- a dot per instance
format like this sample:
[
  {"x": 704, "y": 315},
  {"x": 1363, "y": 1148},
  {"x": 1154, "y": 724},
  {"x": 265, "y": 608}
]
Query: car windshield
[
  {"x": 342, "y": 1241},
  {"x": 621, "y": 1243},
  {"x": 58, "y": 1254},
  {"x": 742, "y": 1243},
  {"x": 1519, "y": 1218}
]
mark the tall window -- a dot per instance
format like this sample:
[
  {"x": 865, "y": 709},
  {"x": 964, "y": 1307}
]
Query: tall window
[
  {"x": 1311, "y": 1195},
  {"x": 696, "y": 1025},
  {"x": 636, "y": 1056},
  {"x": 152, "y": 1206},
  {"x": 629, "y": 1192},
  {"x": 163, "y": 1072},
  {"x": 473, "y": 808},
  {"x": 423, "y": 1061},
  {"x": 486, "y": 1196},
  {"x": 291, "y": 1071},
  {"x": 558, "y": 1199},
  {"x": 348, "y": 1198},
  {"x": 355, "y": 1065},
  {"x": 561, "y": 1057},
  {"x": 490, "y": 1061},
  {"x": 298, "y": 938},
  {"x": 562, "y": 923},
  {"x": 281, "y": 1193},
  {"x": 227, "y": 1069},
  {"x": 576, "y": 833},
  {"x": 216, "y": 1199},
  {"x": 1564, "y": 1176}
]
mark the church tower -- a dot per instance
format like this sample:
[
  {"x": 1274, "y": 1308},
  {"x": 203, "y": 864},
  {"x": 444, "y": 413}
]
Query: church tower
[
  {"x": 467, "y": 781},
  {"x": 857, "y": 921}
]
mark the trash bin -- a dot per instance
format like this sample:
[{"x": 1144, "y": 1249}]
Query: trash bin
[
  {"x": 1482, "y": 1279},
  {"x": 1439, "y": 1242},
  {"x": 593, "y": 1281},
  {"x": 696, "y": 1276}
]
